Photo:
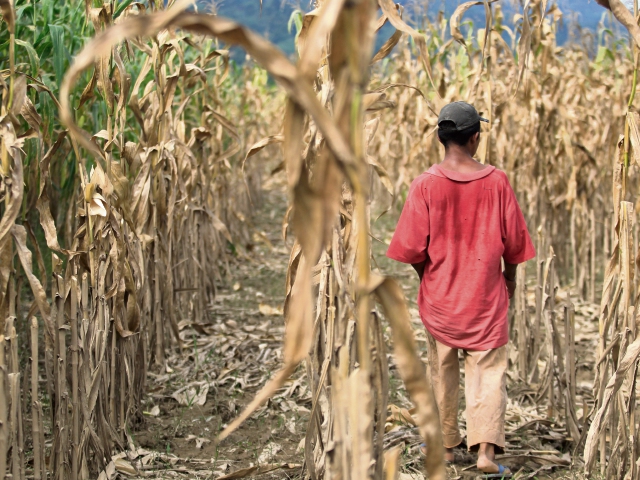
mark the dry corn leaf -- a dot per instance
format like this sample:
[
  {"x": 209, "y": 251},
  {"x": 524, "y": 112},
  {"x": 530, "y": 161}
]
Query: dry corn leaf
[
  {"x": 19, "y": 94},
  {"x": 97, "y": 205},
  {"x": 268, "y": 453},
  {"x": 123, "y": 466},
  {"x": 412, "y": 371},
  {"x": 387, "y": 47},
  {"x": 12, "y": 146},
  {"x": 154, "y": 412},
  {"x": 312, "y": 39},
  {"x": 192, "y": 394},
  {"x": 390, "y": 10},
  {"x": 391, "y": 463},
  {"x": 8, "y": 14},
  {"x": 524, "y": 46},
  {"x": 20, "y": 237},
  {"x": 634, "y": 137},
  {"x": 269, "y": 311},
  {"x": 259, "y": 470},
  {"x": 258, "y": 146},
  {"x": 399, "y": 414},
  {"x": 454, "y": 21}
]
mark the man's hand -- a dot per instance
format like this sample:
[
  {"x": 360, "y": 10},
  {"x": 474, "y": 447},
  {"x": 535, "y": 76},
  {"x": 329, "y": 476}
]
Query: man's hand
[
  {"x": 510, "y": 277},
  {"x": 511, "y": 286}
]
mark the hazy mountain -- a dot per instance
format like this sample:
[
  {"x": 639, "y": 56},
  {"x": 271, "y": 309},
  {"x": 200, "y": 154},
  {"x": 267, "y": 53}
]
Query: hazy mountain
[{"x": 273, "y": 19}]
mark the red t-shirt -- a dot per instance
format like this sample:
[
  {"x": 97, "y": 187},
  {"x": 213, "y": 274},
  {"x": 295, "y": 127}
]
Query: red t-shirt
[{"x": 463, "y": 224}]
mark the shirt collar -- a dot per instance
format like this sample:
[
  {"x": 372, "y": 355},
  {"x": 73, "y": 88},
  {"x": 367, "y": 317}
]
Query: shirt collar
[{"x": 438, "y": 171}]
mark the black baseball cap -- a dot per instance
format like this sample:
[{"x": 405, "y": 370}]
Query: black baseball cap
[{"x": 458, "y": 116}]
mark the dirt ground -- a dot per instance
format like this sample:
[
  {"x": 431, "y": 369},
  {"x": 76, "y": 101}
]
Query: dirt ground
[{"x": 230, "y": 355}]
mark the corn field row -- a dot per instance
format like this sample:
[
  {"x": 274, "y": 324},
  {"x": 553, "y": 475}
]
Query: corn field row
[{"x": 130, "y": 171}]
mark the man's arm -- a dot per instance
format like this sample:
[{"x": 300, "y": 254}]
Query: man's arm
[
  {"x": 419, "y": 268},
  {"x": 510, "y": 277}
]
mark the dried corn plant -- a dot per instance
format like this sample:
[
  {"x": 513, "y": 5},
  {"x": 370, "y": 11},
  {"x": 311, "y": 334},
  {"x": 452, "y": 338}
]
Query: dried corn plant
[
  {"x": 316, "y": 197},
  {"x": 155, "y": 195},
  {"x": 147, "y": 225},
  {"x": 560, "y": 168},
  {"x": 613, "y": 432},
  {"x": 347, "y": 365}
]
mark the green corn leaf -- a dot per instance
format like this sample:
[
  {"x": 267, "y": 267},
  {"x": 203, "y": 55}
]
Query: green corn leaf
[
  {"x": 121, "y": 8},
  {"x": 295, "y": 19},
  {"x": 59, "y": 51},
  {"x": 34, "y": 59}
]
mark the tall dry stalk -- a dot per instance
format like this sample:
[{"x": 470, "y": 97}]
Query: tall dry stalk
[
  {"x": 37, "y": 428},
  {"x": 75, "y": 406},
  {"x": 4, "y": 427}
]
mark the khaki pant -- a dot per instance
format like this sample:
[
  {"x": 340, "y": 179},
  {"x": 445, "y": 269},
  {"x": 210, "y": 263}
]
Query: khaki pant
[{"x": 485, "y": 392}]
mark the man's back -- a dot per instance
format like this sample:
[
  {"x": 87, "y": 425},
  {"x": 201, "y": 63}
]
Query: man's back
[{"x": 462, "y": 224}]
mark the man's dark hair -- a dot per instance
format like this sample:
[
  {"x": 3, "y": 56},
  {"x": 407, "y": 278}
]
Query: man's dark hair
[{"x": 450, "y": 135}]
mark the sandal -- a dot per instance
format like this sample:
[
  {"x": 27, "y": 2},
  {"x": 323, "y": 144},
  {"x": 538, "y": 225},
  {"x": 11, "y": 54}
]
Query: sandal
[{"x": 503, "y": 472}]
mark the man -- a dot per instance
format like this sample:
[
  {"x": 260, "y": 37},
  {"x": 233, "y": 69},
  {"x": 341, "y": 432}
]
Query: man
[{"x": 460, "y": 220}]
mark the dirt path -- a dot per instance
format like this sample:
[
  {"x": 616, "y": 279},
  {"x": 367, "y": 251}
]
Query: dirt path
[{"x": 230, "y": 355}]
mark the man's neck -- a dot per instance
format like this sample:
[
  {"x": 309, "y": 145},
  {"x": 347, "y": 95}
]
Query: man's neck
[{"x": 459, "y": 159}]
